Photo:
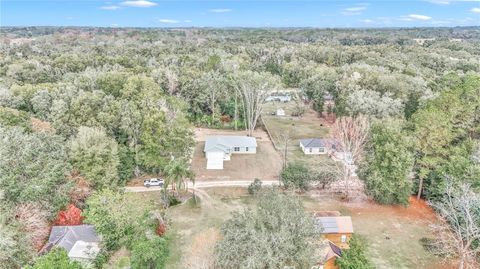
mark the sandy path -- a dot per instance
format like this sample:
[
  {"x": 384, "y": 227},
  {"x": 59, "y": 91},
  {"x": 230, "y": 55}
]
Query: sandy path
[
  {"x": 202, "y": 133},
  {"x": 206, "y": 184}
]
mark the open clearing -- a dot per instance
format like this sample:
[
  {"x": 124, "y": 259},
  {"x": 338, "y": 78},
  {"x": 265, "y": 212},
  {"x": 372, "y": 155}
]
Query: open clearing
[
  {"x": 265, "y": 164},
  {"x": 392, "y": 232},
  {"x": 310, "y": 125}
]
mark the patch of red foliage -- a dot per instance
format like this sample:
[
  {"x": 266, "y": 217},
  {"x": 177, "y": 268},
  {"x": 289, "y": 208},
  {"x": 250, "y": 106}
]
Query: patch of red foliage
[
  {"x": 161, "y": 229},
  {"x": 70, "y": 216},
  {"x": 225, "y": 118}
]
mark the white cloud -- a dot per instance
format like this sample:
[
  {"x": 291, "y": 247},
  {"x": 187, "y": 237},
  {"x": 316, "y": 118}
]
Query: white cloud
[
  {"x": 448, "y": 2},
  {"x": 366, "y": 21},
  {"x": 417, "y": 17},
  {"x": 169, "y": 21},
  {"x": 440, "y": 22},
  {"x": 187, "y": 21},
  {"x": 475, "y": 10},
  {"x": 351, "y": 11},
  {"x": 110, "y": 7},
  {"x": 138, "y": 3},
  {"x": 355, "y": 9},
  {"x": 220, "y": 10},
  {"x": 439, "y": 2}
]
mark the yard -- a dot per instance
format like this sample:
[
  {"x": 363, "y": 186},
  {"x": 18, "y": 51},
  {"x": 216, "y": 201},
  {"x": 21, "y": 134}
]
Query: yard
[
  {"x": 307, "y": 126},
  {"x": 265, "y": 164},
  {"x": 392, "y": 232}
]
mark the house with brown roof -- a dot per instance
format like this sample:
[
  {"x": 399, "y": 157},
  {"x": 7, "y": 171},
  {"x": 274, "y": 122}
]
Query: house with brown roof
[{"x": 337, "y": 229}]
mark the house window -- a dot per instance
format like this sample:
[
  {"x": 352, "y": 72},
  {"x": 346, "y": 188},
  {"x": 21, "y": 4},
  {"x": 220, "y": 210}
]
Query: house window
[
  {"x": 246, "y": 148},
  {"x": 322, "y": 150},
  {"x": 236, "y": 149},
  {"x": 310, "y": 149},
  {"x": 344, "y": 238}
]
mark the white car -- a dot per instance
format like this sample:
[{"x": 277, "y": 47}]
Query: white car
[{"x": 153, "y": 182}]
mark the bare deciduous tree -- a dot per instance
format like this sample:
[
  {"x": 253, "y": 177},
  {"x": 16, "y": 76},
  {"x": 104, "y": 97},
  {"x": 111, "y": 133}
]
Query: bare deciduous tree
[
  {"x": 284, "y": 139},
  {"x": 254, "y": 88},
  {"x": 350, "y": 136},
  {"x": 216, "y": 86},
  {"x": 459, "y": 231},
  {"x": 172, "y": 81},
  {"x": 34, "y": 222}
]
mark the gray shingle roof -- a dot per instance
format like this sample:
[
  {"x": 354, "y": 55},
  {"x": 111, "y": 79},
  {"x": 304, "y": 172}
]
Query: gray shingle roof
[
  {"x": 342, "y": 224},
  {"x": 314, "y": 143},
  {"x": 320, "y": 143},
  {"x": 67, "y": 236},
  {"x": 227, "y": 143}
]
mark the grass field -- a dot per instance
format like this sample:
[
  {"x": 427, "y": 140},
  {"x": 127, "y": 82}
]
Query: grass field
[
  {"x": 307, "y": 126},
  {"x": 392, "y": 233},
  {"x": 265, "y": 164}
]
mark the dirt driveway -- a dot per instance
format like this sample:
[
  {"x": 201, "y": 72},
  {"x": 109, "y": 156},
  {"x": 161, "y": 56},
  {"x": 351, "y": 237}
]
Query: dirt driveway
[
  {"x": 202, "y": 133},
  {"x": 265, "y": 164}
]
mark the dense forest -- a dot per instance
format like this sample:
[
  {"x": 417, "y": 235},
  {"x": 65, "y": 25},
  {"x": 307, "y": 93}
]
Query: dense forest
[{"x": 85, "y": 110}]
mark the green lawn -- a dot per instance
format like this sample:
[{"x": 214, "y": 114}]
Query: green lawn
[
  {"x": 307, "y": 126},
  {"x": 392, "y": 233}
]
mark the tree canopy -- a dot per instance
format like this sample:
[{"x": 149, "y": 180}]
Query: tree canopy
[{"x": 277, "y": 233}]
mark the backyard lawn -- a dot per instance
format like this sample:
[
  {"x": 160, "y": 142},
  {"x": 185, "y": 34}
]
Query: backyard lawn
[
  {"x": 393, "y": 233},
  {"x": 307, "y": 126},
  {"x": 265, "y": 164}
]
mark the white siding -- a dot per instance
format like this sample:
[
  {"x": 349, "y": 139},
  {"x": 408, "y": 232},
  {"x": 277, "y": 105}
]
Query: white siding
[
  {"x": 244, "y": 150},
  {"x": 313, "y": 151}
]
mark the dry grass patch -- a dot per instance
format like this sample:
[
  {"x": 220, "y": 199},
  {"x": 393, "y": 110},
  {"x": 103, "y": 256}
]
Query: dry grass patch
[
  {"x": 310, "y": 125},
  {"x": 265, "y": 164}
]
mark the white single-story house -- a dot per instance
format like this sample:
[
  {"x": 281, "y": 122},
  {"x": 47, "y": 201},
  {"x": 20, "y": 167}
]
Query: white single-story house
[
  {"x": 279, "y": 98},
  {"x": 80, "y": 241},
  {"x": 220, "y": 148},
  {"x": 315, "y": 145},
  {"x": 280, "y": 112}
]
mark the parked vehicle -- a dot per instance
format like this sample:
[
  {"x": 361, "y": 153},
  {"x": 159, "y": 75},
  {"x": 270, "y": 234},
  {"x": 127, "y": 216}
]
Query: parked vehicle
[{"x": 153, "y": 182}]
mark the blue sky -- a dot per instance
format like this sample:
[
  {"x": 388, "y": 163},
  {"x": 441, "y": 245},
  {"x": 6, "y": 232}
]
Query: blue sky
[{"x": 244, "y": 13}]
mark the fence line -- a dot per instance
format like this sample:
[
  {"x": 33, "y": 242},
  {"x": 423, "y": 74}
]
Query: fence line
[{"x": 269, "y": 134}]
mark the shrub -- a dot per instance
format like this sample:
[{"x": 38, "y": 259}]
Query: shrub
[
  {"x": 161, "y": 229},
  {"x": 11, "y": 117},
  {"x": 57, "y": 258},
  {"x": 116, "y": 218},
  {"x": 150, "y": 253},
  {"x": 100, "y": 259},
  {"x": 354, "y": 257},
  {"x": 173, "y": 201},
  {"x": 296, "y": 176},
  {"x": 255, "y": 186},
  {"x": 275, "y": 233},
  {"x": 72, "y": 215}
]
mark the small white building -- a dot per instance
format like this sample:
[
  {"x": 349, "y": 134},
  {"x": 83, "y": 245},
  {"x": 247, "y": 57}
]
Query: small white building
[
  {"x": 220, "y": 148},
  {"x": 280, "y": 112}
]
